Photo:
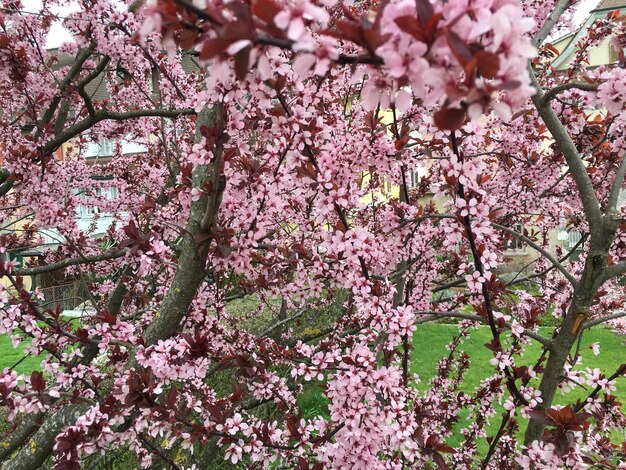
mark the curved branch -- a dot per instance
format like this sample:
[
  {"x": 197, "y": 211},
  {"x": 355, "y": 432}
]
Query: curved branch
[
  {"x": 87, "y": 80},
  {"x": 104, "y": 115},
  {"x": 552, "y": 92},
  {"x": 573, "y": 158},
  {"x": 597, "y": 321},
  {"x": 74, "y": 71},
  {"x": 70, "y": 262}
]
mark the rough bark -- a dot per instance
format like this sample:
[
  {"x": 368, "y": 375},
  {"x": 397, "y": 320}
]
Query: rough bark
[
  {"x": 17, "y": 438},
  {"x": 602, "y": 228},
  {"x": 39, "y": 447},
  {"x": 577, "y": 314},
  {"x": 195, "y": 245},
  {"x": 189, "y": 275}
]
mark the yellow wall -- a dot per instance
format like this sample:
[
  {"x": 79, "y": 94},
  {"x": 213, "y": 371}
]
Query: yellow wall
[{"x": 599, "y": 55}]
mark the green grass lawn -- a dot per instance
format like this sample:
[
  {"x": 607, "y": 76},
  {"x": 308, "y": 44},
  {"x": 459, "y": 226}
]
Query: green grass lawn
[
  {"x": 9, "y": 356},
  {"x": 429, "y": 343}
]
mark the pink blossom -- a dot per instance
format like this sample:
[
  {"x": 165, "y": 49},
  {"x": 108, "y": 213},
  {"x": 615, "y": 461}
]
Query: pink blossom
[{"x": 294, "y": 19}]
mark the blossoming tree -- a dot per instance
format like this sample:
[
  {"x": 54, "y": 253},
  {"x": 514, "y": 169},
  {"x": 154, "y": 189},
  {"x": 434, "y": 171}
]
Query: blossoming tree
[{"x": 276, "y": 131}]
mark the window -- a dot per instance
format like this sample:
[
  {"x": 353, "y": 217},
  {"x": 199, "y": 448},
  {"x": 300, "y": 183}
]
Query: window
[
  {"x": 105, "y": 147},
  {"x": 13, "y": 256},
  {"x": 514, "y": 243},
  {"x": 89, "y": 210},
  {"x": 621, "y": 200},
  {"x": 569, "y": 238},
  {"x": 573, "y": 239},
  {"x": 110, "y": 194},
  {"x": 616, "y": 56}
]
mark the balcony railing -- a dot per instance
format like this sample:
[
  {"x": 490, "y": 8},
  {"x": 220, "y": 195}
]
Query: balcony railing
[{"x": 65, "y": 296}]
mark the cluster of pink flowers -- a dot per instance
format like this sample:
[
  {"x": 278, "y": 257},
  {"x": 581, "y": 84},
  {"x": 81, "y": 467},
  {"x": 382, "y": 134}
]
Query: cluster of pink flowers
[
  {"x": 365, "y": 165},
  {"x": 612, "y": 91}
]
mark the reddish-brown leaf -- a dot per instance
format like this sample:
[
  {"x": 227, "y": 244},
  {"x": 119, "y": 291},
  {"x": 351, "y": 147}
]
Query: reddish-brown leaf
[
  {"x": 488, "y": 64},
  {"x": 441, "y": 463},
  {"x": 346, "y": 30},
  {"x": 540, "y": 417},
  {"x": 292, "y": 426},
  {"x": 373, "y": 39},
  {"x": 37, "y": 381},
  {"x": 552, "y": 49},
  {"x": 187, "y": 38},
  {"x": 458, "y": 47},
  {"x": 449, "y": 118},
  {"x": 424, "y": 11},
  {"x": 430, "y": 27},
  {"x": 242, "y": 62},
  {"x": 213, "y": 47},
  {"x": 265, "y": 10},
  {"x": 410, "y": 25},
  {"x": 171, "y": 397}
]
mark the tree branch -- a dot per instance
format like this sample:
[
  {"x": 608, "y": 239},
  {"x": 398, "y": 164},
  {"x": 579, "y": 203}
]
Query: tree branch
[
  {"x": 565, "y": 144},
  {"x": 538, "y": 248},
  {"x": 16, "y": 438},
  {"x": 615, "y": 270},
  {"x": 547, "y": 270},
  {"x": 468, "y": 316},
  {"x": 582, "y": 403},
  {"x": 42, "y": 442},
  {"x": 74, "y": 71},
  {"x": 191, "y": 269},
  {"x": 551, "y": 20},
  {"x": 600, "y": 320},
  {"x": 46, "y": 268},
  {"x": 616, "y": 187},
  {"x": 88, "y": 79},
  {"x": 301, "y": 312},
  {"x": 552, "y": 92},
  {"x": 105, "y": 114}
]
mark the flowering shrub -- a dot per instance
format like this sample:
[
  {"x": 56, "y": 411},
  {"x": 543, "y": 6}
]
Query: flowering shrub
[{"x": 281, "y": 140}]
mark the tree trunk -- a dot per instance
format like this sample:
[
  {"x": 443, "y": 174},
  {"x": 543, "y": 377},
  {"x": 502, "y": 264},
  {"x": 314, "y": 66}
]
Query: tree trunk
[
  {"x": 191, "y": 269},
  {"x": 553, "y": 373},
  {"x": 189, "y": 275},
  {"x": 39, "y": 447},
  {"x": 577, "y": 313},
  {"x": 30, "y": 424}
]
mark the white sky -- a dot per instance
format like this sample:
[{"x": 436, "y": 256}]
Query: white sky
[
  {"x": 584, "y": 7},
  {"x": 59, "y": 35}
]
